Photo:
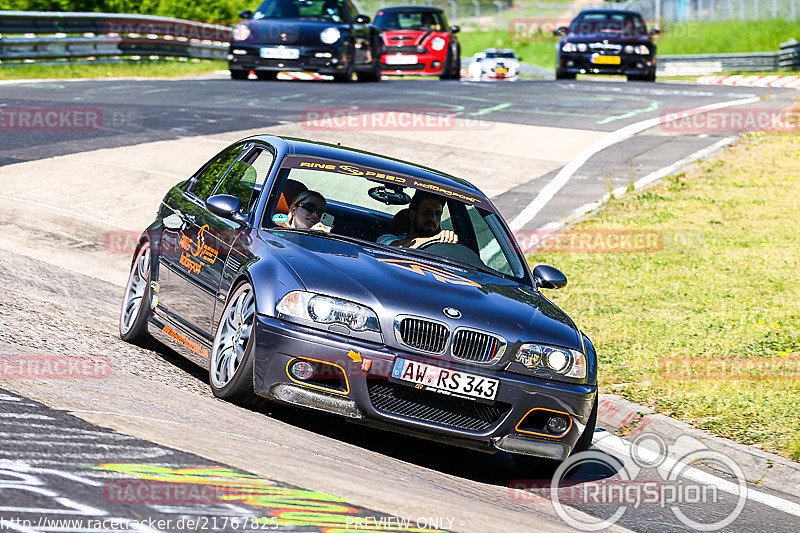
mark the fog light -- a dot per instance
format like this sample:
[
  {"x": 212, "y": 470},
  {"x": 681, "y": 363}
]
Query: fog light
[
  {"x": 301, "y": 370},
  {"x": 570, "y": 63},
  {"x": 557, "y": 425},
  {"x": 323, "y": 54},
  {"x": 436, "y": 64}
]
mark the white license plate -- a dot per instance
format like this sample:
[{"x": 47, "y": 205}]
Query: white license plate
[
  {"x": 399, "y": 59},
  {"x": 445, "y": 380},
  {"x": 280, "y": 53}
]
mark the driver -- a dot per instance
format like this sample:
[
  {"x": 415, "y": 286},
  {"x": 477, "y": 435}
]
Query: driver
[{"x": 425, "y": 215}]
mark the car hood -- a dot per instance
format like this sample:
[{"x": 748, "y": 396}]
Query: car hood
[
  {"x": 288, "y": 32},
  {"x": 393, "y": 282},
  {"x": 406, "y": 37}
]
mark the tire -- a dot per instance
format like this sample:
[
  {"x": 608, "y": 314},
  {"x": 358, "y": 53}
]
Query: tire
[
  {"x": 239, "y": 74},
  {"x": 135, "y": 310},
  {"x": 267, "y": 75},
  {"x": 562, "y": 75},
  {"x": 346, "y": 76},
  {"x": 452, "y": 66},
  {"x": 538, "y": 468},
  {"x": 370, "y": 75},
  {"x": 231, "y": 366}
]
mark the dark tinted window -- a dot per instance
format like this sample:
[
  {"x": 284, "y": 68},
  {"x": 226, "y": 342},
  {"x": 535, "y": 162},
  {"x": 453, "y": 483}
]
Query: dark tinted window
[
  {"x": 609, "y": 23},
  {"x": 410, "y": 20},
  {"x": 332, "y": 10},
  {"x": 208, "y": 177}
]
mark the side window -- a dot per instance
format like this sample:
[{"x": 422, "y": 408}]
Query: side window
[
  {"x": 352, "y": 10},
  {"x": 210, "y": 175},
  {"x": 247, "y": 177}
]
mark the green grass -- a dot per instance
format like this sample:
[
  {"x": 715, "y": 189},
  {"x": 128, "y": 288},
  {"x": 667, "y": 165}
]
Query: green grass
[
  {"x": 724, "y": 289},
  {"x": 691, "y": 38},
  {"x": 106, "y": 70}
]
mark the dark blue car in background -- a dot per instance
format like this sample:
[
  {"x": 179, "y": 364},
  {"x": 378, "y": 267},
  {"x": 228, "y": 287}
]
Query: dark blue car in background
[{"x": 449, "y": 341}]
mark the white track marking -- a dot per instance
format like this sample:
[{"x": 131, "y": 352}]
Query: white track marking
[
  {"x": 557, "y": 183},
  {"x": 612, "y": 443},
  {"x": 638, "y": 185}
]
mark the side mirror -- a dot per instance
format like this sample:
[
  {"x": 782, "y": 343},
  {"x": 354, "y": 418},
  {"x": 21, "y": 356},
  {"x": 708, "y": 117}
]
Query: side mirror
[
  {"x": 246, "y": 14},
  {"x": 362, "y": 19},
  {"x": 547, "y": 277},
  {"x": 561, "y": 30},
  {"x": 226, "y": 206},
  {"x": 655, "y": 31},
  {"x": 455, "y": 29}
]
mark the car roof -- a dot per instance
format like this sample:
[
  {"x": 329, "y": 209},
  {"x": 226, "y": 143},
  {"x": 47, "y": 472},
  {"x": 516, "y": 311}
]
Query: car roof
[
  {"x": 411, "y": 8},
  {"x": 499, "y": 50},
  {"x": 368, "y": 159},
  {"x": 608, "y": 11}
]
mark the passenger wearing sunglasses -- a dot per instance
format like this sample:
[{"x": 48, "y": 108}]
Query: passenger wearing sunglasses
[{"x": 306, "y": 211}]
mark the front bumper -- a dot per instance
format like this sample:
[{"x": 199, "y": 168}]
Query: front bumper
[
  {"x": 429, "y": 64},
  {"x": 368, "y": 395},
  {"x": 583, "y": 63},
  {"x": 321, "y": 59}
]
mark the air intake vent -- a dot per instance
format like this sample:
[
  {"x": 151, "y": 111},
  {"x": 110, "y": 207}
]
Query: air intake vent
[
  {"x": 477, "y": 346},
  {"x": 422, "y": 334}
]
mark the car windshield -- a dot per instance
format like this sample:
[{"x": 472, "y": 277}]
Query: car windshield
[
  {"x": 332, "y": 10},
  {"x": 609, "y": 23},
  {"x": 409, "y": 20},
  {"x": 370, "y": 205},
  {"x": 500, "y": 55}
]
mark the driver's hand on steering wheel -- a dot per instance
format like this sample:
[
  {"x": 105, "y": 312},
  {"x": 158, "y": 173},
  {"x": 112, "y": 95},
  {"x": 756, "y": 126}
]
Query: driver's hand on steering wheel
[{"x": 447, "y": 236}]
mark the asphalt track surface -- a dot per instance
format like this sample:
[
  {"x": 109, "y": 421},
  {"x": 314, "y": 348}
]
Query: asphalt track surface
[{"x": 54, "y": 464}]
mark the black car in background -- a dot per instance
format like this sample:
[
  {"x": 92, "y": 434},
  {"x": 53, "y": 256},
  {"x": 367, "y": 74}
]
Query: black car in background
[
  {"x": 606, "y": 41},
  {"x": 323, "y": 36}
]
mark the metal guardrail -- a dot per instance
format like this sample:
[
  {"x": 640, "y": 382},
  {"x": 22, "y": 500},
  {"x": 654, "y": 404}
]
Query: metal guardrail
[
  {"x": 711, "y": 63},
  {"x": 789, "y": 58},
  {"x": 35, "y": 36}
]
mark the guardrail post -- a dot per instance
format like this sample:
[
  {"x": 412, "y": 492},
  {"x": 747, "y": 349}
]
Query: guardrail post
[{"x": 453, "y": 12}]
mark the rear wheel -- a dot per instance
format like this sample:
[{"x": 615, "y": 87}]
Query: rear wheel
[
  {"x": 239, "y": 74},
  {"x": 267, "y": 75},
  {"x": 545, "y": 468},
  {"x": 136, "y": 301},
  {"x": 231, "y": 371},
  {"x": 563, "y": 75}
]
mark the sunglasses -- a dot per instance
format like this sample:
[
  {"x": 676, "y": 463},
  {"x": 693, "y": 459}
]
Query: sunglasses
[{"x": 311, "y": 207}]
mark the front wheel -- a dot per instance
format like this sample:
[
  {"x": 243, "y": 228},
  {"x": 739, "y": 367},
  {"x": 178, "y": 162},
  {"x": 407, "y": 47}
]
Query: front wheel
[
  {"x": 346, "y": 76},
  {"x": 231, "y": 370},
  {"x": 239, "y": 74},
  {"x": 452, "y": 66},
  {"x": 136, "y": 301},
  {"x": 371, "y": 75},
  {"x": 564, "y": 75}
]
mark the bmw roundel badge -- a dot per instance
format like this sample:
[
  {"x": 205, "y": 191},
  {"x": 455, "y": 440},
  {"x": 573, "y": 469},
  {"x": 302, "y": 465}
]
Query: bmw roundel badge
[{"x": 452, "y": 312}]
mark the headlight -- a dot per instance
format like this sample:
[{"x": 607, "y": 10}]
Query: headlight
[
  {"x": 438, "y": 43},
  {"x": 330, "y": 35},
  {"x": 582, "y": 47},
  {"x": 569, "y": 47},
  {"x": 327, "y": 310},
  {"x": 642, "y": 50},
  {"x": 561, "y": 361},
  {"x": 241, "y": 32},
  {"x": 629, "y": 49}
]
